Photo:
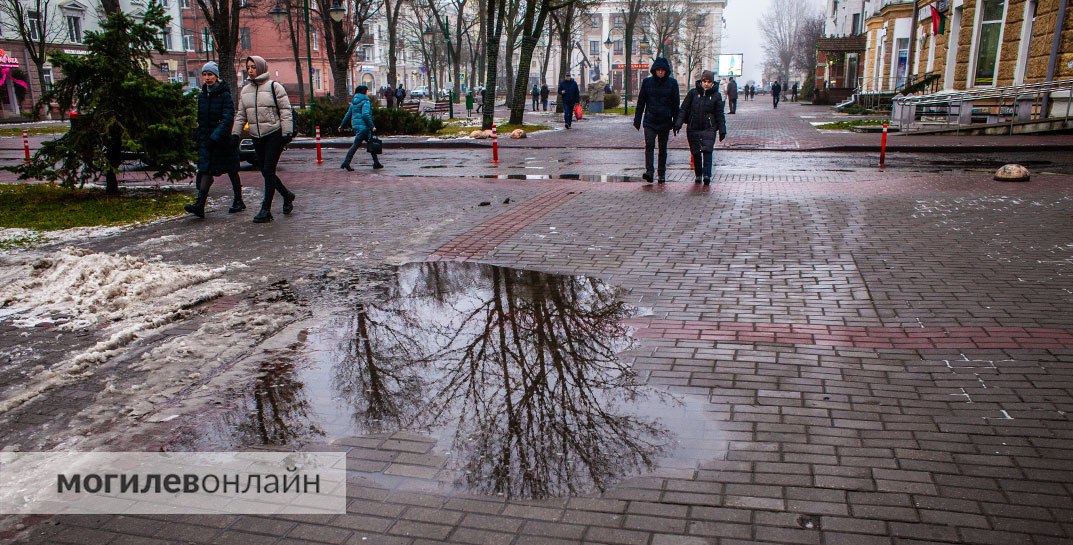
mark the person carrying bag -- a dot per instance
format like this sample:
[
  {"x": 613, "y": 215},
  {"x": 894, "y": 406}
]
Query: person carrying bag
[
  {"x": 263, "y": 104},
  {"x": 360, "y": 119}
]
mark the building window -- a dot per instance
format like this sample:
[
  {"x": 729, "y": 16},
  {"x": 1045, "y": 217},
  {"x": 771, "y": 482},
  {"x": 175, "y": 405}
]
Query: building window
[
  {"x": 856, "y": 29},
  {"x": 166, "y": 38},
  {"x": 617, "y": 20},
  {"x": 702, "y": 19},
  {"x": 316, "y": 42},
  {"x": 367, "y": 52},
  {"x": 594, "y": 47},
  {"x": 902, "y": 66},
  {"x": 595, "y": 21},
  {"x": 33, "y": 20},
  {"x": 188, "y": 40},
  {"x": 185, "y": 4},
  {"x": 46, "y": 74},
  {"x": 74, "y": 29},
  {"x": 991, "y": 19},
  {"x": 316, "y": 79},
  {"x": 618, "y": 47},
  {"x": 206, "y": 40},
  {"x": 244, "y": 38}
]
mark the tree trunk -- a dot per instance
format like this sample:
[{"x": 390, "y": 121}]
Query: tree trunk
[
  {"x": 508, "y": 55},
  {"x": 392, "y": 54},
  {"x": 458, "y": 57},
  {"x": 340, "y": 64},
  {"x": 496, "y": 12},
  {"x": 521, "y": 84},
  {"x": 629, "y": 72},
  {"x": 115, "y": 159}
]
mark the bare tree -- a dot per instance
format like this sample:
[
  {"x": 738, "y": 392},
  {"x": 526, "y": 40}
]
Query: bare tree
[
  {"x": 695, "y": 45},
  {"x": 568, "y": 22},
  {"x": 495, "y": 19},
  {"x": 294, "y": 34},
  {"x": 804, "y": 60},
  {"x": 780, "y": 30},
  {"x": 631, "y": 11},
  {"x": 664, "y": 23},
  {"x": 38, "y": 24},
  {"x": 342, "y": 38},
  {"x": 533, "y": 23},
  {"x": 392, "y": 10},
  {"x": 441, "y": 15}
]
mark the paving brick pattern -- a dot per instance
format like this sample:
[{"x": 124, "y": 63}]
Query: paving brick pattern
[{"x": 876, "y": 359}]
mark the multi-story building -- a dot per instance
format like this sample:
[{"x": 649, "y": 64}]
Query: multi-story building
[
  {"x": 65, "y": 26},
  {"x": 954, "y": 44}
]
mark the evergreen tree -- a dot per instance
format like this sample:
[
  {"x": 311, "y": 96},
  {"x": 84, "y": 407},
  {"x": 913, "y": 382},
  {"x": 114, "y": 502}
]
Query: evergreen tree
[{"x": 122, "y": 108}]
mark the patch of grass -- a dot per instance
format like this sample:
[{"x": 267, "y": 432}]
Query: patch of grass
[
  {"x": 506, "y": 128},
  {"x": 846, "y": 125},
  {"x": 21, "y": 242},
  {"x": 618, "y": 110},
  {"x": 35, "y": 131},
  {"x": 49, "y": 208}
]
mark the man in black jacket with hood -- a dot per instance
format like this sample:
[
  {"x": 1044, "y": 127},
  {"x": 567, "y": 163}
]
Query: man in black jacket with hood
[{"x": 657, "y": 106}]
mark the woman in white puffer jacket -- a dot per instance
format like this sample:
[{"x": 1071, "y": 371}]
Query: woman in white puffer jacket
[{"x": 263, "y": 104}]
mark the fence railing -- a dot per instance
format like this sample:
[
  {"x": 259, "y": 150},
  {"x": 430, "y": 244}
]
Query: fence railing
[{"x": 992, "y": 106}]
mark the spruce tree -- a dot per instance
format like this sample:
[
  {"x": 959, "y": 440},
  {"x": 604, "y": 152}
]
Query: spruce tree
[{"x": 122, "y": 108}]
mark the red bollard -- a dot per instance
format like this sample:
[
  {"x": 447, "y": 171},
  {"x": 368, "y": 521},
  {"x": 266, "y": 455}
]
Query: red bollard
[
  {"x": 495, "y": 144},
  {"x": 883, "y": 148},
  {"x": 26, "y": 144},
  {"x": 319, "y": 158}
]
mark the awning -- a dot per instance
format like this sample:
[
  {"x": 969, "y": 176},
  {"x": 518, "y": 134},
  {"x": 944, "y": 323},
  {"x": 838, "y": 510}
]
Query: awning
[{"x": 843, "y": 44}]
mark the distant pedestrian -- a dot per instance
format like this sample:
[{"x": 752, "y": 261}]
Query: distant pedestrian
[
  {"x": 793, "y": 93},
  {"x": 400, "y": 95},
  {"x": 535, "y": 93},
  {"x": 569, "y": 95},
  {"x": 702, "y": 111},
  {"x": 544, "y": 92},
  {"x": 469, "y": 103},
  {"x": 263, "y": 104},
  {"x": 360, "y": 118},
  {"x": 776, "y": 93},
  {"x": 732, "y": 95},
  {"x": 217, "y": 152},
  {"x": 657, "y": 106},
  {"x": 389, "y": 96},
  {"x": 480, "y": 104}
]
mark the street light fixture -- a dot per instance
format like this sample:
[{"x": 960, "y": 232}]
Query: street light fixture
[
  {"x": 625, "y": 98},
  {"x": 279, "y": 13},
  {"x": 646, "y": 46},
  {"x": 337, "y": 11}
]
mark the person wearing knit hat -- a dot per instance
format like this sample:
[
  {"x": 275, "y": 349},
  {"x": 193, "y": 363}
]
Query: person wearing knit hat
[
  {"x": 216, "y": 152},
  {"x": 702, "y": 110}
]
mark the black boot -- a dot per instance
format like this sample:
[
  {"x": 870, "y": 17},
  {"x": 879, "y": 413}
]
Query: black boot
[
  {"x": 376, "y": 163},
  {"x": 647, "y": 176},
  {"x": 198, "y": 208},
  {"x": 707, "y": 181},
  {"x": 662, "y": 177},
  {"x": 264, "y": 216},
  {"x": 236, "y": 186},
  {"x": 288, "y": 202},
  {"x": 236, "y": 205}
]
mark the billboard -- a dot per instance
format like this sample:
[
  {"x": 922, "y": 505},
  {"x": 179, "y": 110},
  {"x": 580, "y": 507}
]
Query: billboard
[{"x": 729, "y": 65}]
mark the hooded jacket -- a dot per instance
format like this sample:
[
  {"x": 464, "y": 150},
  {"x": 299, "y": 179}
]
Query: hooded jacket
[
  {"x": 657, "y": 103},
  {"x": 215, "y": 116},
  {"x": 702, "y": 111},
  {"x": 263, "y": 104},
  {"x": 360, "y": 115},
  {"x": 732, "y": 90},
  {"x": 569, "y": 92}
]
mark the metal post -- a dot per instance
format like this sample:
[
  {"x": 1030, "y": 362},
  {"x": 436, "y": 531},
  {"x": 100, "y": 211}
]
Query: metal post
[
  {"x": 883, "y": 148},
  {"x": 309, "y": 60}
]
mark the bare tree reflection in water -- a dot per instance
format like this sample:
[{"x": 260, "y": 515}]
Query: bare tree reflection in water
[{"x": 521, "y": 364}]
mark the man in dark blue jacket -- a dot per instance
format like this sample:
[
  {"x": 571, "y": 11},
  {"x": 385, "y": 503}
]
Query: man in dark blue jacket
[
  {"x": 657, "y": 106},
  {"x": 569, "y": 95}
]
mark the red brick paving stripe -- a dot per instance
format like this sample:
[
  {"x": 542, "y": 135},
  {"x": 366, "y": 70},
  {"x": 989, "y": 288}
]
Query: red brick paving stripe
[
  {"x": 482, "y": 239},
  {"x": 856, "y": 337}
]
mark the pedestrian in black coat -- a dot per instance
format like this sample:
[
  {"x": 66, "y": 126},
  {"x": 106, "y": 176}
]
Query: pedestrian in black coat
[
  {"x": 569, "y": 95},
  {"x": 544, "y": 92},
  {"x": 702, "y": 111},
  {"x": 657, "y": 105},
  {"x": 535, "y": 93},
  {"x": 216, "y": 154},
  {"x": 732, "y": 95},
  {"x": 793, "y": 93},
  {"x": 776, "y": 93}
]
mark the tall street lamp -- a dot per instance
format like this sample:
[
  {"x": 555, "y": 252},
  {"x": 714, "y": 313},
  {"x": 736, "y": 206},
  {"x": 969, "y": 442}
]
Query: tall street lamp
[
  {"x": 625, "y": 97},
  {"x": 337, "y": 12}
]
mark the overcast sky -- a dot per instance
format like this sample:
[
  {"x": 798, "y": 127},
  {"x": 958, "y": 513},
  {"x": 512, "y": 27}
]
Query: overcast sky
[{"x": 743, "y": 36}]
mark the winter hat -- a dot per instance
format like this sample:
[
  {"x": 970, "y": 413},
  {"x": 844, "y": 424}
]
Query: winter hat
[
  {"x": 212, "y": 68},
  {"x": 707, "y": 75}
]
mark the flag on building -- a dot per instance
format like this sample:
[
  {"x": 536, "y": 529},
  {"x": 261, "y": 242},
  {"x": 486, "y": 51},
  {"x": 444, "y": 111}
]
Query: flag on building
[{"x": 938, "y": 21}]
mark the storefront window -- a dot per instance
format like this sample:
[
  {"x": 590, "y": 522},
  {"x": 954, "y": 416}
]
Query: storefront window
[{"x": 991, "y": 18}]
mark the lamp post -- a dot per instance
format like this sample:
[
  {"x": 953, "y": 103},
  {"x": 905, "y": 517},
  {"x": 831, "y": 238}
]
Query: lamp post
[
  {"x": 429, "y": 35},
  {"x": 337, "y": 12},
  {"x": 625, "y": 97}
]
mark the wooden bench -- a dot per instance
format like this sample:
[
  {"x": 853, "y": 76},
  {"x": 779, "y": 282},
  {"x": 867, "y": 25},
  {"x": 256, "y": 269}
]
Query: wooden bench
[
  {"x": 440, "y": 107},
  {"x": 412, "y": 106}
]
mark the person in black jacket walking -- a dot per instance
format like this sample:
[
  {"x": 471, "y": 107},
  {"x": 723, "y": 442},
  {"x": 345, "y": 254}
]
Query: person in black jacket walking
[
  {"x": 544, "y": 92},
  {"x": 702, "y": 110},
  {"x": 732, "y": 95},
  {"x": 569, "y": 95},
  {"x": 216, "y": 154},
  {"x": 657, "y": 105},
  {"x": 776, "y": 93}
]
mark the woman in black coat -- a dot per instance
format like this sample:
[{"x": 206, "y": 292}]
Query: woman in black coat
[
  {"x": 702, "y": 110},
  {"x": 216, "y": 153}
]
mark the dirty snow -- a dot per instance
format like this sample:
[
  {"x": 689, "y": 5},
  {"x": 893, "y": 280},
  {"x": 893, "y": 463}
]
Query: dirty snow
[{"x": 127, "y": 297}]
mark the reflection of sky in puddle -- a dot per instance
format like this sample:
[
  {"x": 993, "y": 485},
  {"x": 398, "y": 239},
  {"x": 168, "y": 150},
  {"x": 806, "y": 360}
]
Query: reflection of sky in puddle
[{"x": 513, "y": 373}]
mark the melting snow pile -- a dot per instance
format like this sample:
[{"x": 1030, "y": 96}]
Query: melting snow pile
[{"x": 126, "y": 296}]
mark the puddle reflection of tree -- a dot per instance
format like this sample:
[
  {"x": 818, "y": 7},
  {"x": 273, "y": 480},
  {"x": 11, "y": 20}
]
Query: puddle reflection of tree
[{"x": 521, "y": 364}]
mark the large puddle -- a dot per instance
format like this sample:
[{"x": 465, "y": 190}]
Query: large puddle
[{"x": 512, "y": 377}]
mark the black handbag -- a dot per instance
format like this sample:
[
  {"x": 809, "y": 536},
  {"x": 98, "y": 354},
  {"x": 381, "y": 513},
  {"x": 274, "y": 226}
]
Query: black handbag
[{"x": 376, "y": 146}]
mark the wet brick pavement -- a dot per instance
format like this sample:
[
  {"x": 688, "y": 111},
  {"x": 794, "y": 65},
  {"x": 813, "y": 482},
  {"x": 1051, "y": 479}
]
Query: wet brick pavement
[{"x": 882, "y": 358}]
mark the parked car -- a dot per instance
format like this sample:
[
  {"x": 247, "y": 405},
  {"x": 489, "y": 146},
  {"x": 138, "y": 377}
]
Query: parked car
[{"x": 419, "y": 92}]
